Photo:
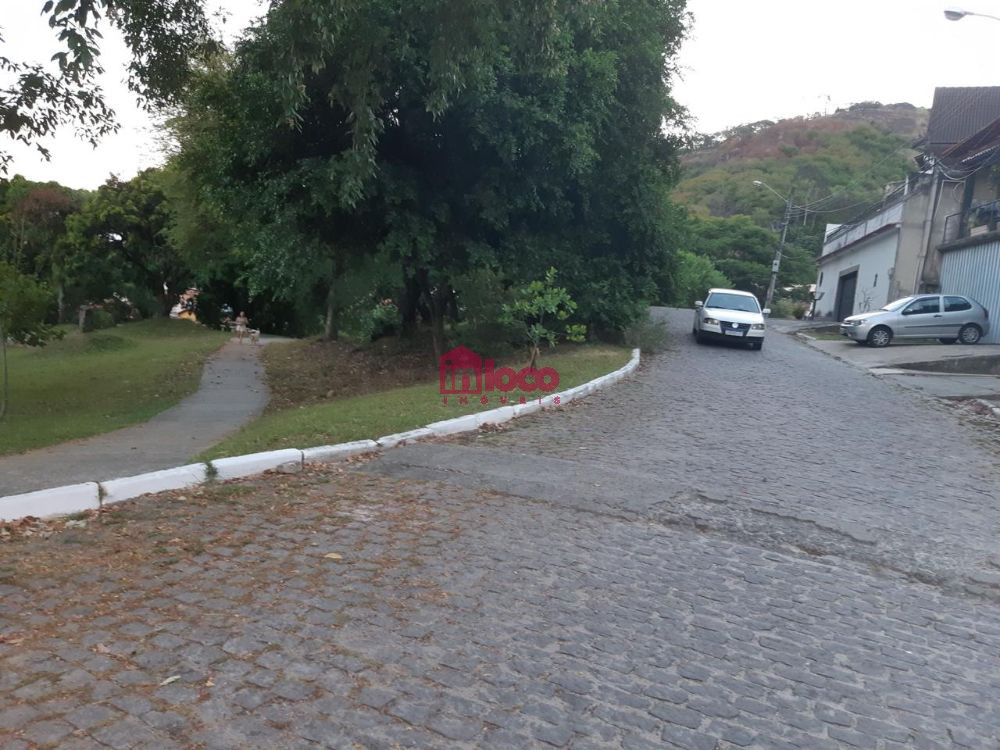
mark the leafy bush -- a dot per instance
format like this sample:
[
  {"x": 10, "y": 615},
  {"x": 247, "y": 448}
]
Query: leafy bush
[
  {"x": 693, "y": 276},
  {"x": 481, "y": 295},
  {"x": 96, "y": 319},
  {"x": 367, "y": 321},
  {"x": 539, "y": 313},
  {"x": 782, "y": 308},
  {"x": 648, "y": 335}
]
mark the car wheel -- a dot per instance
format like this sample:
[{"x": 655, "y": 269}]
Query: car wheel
[
  {"x": 879, "y": 336},
  {"x": 970, "y": 334},
  {"x": 699, "y": 337},
  {"x": 947, "y": 341},
  {"x": 756, "y": 345}
]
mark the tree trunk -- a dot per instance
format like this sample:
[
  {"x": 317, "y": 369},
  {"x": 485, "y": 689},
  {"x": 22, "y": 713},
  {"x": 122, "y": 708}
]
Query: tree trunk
[
  {"x": 435, "y": 305},
  {"x": 437, "y": 330},
  {"x": 60, "y": 302},
  {"x": 331, "y": 323},
  {"x": 166, "y": 303},
  {"x": 6, "y": 380},
  {"x": 409, "y": 307},
  {"x": 535, "y": 356}
]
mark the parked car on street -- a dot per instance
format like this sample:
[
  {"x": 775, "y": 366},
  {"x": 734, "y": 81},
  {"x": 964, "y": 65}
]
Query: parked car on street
[
  {"x": 945, "y": 317},
  {"x": 731, "y": 315}
]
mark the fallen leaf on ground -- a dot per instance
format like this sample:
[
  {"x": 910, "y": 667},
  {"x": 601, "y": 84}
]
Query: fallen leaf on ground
[
  {"x": 170, "y": 680},
  {"x": 333, "y": 556}
]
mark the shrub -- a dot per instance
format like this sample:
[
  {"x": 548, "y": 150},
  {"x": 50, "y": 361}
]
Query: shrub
[
  {"x": 480, "y": 295},
  {"x": 368, "y": 319},
  {"x": 539, "y": 312},
  {"x": 647, "y": 334},
  {"x": 782, "y": 308},
  {"x": 96, "y": 319},
  {"x": 694, "y": 275}
]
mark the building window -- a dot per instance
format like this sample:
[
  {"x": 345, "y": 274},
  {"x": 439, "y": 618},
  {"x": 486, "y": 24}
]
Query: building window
[
  {"x": 875, "y": 283},
  {"x": 821, "y": 278}
]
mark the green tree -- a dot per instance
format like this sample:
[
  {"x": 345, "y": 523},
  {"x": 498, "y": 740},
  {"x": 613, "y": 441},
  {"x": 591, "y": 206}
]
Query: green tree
[
  {"x": 694, "y": 275},
  {"x": 738, "y": 248},
  {"x": 446, "y": 136},
  {"x": 35, "y": 215},
  {"x": 164, "y": 36},
  {"x": 539, "y": 312},
  {"x": 118, "y": 243},
  {"x": 24, "y": 305}
]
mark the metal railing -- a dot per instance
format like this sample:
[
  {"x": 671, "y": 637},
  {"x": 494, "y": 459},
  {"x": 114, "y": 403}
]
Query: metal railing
[{"x": 975, "y": 220}]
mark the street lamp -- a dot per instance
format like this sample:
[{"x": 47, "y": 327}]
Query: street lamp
[
  {"x": 776, "y": 263},
  {"x": 957, "y": 14}
]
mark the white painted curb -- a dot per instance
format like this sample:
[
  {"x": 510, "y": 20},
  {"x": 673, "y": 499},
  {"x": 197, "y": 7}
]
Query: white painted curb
[
  {"x": 77, "y": 498},
  {"x": 328, "y": 453},
  {"x": 402, "y": 438},
  {"x": 58, "y": 501},
  {"x": 117, "y": 490},
  {"x": 454, "y": 426},
  {"x": 495, "y": 416},
  {"x": 254, "y": 463}
]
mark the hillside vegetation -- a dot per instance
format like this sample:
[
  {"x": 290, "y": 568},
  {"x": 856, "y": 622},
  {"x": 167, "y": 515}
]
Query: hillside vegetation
[{"x": 835, "y": 166}]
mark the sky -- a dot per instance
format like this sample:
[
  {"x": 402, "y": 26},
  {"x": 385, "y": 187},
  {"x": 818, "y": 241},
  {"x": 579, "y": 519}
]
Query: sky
[{"x": 744, "y": 60}]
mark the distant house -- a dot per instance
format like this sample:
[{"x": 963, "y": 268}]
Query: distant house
[
  {"x": 873, "y": 259},
  {"x": 895, "y": 248},
  {"x": 967, "y": 255}
]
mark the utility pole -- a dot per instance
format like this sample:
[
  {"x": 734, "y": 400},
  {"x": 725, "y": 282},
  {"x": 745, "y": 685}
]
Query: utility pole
[{"x": 776, "y": 263}]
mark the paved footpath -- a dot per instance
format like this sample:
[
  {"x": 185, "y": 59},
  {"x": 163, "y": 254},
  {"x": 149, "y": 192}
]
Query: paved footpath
[
  {"x": 676, "y": 564},
  {"x": 231, "y": 393}
]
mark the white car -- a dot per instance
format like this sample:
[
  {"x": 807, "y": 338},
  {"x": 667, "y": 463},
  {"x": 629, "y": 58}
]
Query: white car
[{"x": 731, "y": 315}]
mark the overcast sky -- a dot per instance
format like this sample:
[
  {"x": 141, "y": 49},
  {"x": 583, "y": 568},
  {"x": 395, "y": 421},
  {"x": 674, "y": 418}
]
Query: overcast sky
[{"x": 744, "y": 61}]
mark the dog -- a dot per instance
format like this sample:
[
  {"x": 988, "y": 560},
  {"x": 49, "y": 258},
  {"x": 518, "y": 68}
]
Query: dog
[{"x": 254, "y": 335}]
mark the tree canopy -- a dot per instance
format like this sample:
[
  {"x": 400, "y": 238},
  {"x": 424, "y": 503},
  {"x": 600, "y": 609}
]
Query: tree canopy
[
  {"x": 443, "y": 137},
  {"x": 164, "y": 36}
]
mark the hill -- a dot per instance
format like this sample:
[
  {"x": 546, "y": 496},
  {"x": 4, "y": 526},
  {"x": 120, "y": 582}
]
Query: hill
[
  {"x": 836, "y": 161},
  {"x": 832, "y": 167}
]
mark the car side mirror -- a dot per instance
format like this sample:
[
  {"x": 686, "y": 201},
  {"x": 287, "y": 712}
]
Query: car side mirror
[
  {"x": 766, "y": 311},
  {"x": 699, "y": 303}
]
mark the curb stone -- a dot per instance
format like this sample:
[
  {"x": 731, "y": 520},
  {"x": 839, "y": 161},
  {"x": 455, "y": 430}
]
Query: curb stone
[
  {"x": 58, "y": 501},
  {"x": 86, "y": 496}
]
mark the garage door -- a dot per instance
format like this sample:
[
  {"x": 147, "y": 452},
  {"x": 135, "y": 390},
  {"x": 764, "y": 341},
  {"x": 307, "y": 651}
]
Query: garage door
[{"x": 975, "y": 272}]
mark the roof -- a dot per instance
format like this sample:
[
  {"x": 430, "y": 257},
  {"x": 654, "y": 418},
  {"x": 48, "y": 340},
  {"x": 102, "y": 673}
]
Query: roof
[
  {"x": 984, "y": 143},
  {"x": 959, "y": 112}
]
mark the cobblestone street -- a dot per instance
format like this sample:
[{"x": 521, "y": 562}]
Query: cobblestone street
[{"x": 732, "y": 549}]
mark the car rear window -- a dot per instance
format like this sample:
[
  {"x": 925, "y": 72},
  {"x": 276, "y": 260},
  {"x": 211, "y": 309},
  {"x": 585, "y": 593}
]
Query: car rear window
[{"x": 956, "y": 304}]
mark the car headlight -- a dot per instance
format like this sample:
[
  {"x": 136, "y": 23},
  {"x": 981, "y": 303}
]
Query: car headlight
[
  {"x": 710, "y": 321},
  {"x": 758, "y": 326},
  {"x": 859, "y": 322}
]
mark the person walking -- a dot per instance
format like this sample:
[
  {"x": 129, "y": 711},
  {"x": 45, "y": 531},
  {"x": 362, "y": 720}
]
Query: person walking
[{"x": 241, "y": 325}]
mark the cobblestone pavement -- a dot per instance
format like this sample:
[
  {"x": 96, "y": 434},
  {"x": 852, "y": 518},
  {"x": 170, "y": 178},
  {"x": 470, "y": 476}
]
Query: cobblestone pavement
[
  {"x": 598, "y": 578},
  {"x": 786, "y": 448}
]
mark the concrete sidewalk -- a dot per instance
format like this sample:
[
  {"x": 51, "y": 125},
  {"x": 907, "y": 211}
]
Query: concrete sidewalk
[
  {"x": 890, "y": 363},
  {"x": 232, "y": 392}
]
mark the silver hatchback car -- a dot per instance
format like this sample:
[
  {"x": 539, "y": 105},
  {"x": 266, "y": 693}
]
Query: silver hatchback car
[{"x": 945, "y": 317}]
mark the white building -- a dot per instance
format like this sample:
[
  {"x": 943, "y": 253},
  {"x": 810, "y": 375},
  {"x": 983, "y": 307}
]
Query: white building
[{"x": 875, "y": 259}]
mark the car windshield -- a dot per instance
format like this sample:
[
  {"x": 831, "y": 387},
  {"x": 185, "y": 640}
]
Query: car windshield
[
  {"x": 724, "y": 301},
  {"x": 898, "y": 303}
]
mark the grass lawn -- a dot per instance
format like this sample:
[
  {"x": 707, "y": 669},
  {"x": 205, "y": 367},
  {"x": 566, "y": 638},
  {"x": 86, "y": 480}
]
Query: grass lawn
[
  {"x": 89, "y": 383},
  {"x": 385, "y": 411}
]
